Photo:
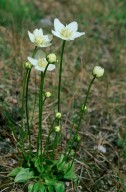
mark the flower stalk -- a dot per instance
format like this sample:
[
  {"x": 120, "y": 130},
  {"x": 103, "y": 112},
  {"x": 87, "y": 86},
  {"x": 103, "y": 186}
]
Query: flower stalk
[{"x": 60, "y": 76}]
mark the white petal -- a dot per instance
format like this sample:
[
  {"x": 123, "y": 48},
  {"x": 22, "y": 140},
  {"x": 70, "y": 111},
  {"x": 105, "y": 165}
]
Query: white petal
[
  {"x": 77, "y": 34},
  {"x": 73, "y": 26},
  {"x": 38, "y": 32},
  {"x": 51, "y": 67},
  {"x": 58, "y": 25},
  {"x": 39, "y": 68},
  {"x": 40, "y": 54},
  {"x": 45, "y": 45},
  {"x": 31, "y": 36},
  {"x": 32, "y": 61},
  {"x": 48, "y": 37},
  {"x": 57, "y": 34}
]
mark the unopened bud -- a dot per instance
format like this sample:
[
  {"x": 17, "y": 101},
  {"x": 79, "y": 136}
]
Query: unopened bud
[
  {"x": 52, "y": 58},
  {"x": 98, "y": 71},
  {"x": 77, "y": 138},
  {"x": 58, "y": 115},
  {"x": 47, "y": 94},
  {"x": 57, "y": 129},
  {"x": 83, "y": 108},
  {"x": 28, "y": 65}
]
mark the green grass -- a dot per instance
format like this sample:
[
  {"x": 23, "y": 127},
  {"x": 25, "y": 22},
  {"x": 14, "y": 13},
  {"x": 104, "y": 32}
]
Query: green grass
[{"x": 17, "y": 13}]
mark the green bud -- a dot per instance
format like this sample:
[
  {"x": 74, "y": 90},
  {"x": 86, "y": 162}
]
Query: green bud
[{"x": 58, "y": 115}]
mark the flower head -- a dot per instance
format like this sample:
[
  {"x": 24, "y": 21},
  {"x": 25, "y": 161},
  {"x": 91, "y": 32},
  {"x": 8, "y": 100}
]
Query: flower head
[
  {"x": 68, "y": 32},
  {"x": 39, "y": 39},
  {"x": 98, "y": 71},
  {"x": 40, "y": 62}
]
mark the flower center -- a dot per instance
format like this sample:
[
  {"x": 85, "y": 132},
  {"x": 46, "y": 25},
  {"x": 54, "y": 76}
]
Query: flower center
[
  {"x": 65, "y": 32},
  {"x": 39, "y": 40},
  {"x": 42, "y": 62}
]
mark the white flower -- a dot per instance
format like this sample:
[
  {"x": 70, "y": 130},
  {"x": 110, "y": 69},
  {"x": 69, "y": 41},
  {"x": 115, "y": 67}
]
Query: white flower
[
  {"x": 98, "y": 71},
  {"x": 68, "y": 32},
  {"x": 40, "y": 62},
  {"x": 52, "y": 58},
  {"x": 39, "y": 39}
]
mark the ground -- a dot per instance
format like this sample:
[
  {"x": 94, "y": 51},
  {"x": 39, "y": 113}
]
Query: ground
[{"x": 100, "y": 162}]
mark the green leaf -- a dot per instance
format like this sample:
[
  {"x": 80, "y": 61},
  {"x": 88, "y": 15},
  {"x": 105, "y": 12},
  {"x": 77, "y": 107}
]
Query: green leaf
[
  {"x": 24, "y": 175},
  {"x": 15, "y": 171},
  {"x": 36, "y": 187},
  {"x": 42, "y": 188},
  {"x": 30, "y": 187},
  {"x": 59, "y": 187},
  {"x": 50, "y": 182},
  {"x": 70, "y": 175},
  {"x": 50, "y": 188}
]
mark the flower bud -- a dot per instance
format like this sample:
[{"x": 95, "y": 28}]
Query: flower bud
[
  {"x": 58, "y": 115},
  {"x": 77, "y": 138},
  {"x": 98, "y": 71},
  {"x": 47, "y": 94},
  {"x": 83, "y": 108},
  {"x": 28, "y": 65},
  {"x": 57, "y": 129},
  {"x": 52, "y": 58}
]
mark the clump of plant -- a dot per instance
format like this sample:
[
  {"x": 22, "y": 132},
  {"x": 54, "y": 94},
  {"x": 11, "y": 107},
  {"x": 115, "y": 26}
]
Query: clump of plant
[{"x": 42, "y": 169}]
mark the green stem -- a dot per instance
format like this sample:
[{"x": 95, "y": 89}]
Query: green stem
[
  {"x": 27, "y": 110},
  {"x": 41, "y": 103},
  {"x": 60, "y": 76},
  {"x": 40, "y": 116},
  {"x": 22, "y": 131},
  {"x": 26, "y": 106},
  {"x": 82, "y": 111},
  {"x": 85, "y": 103}
]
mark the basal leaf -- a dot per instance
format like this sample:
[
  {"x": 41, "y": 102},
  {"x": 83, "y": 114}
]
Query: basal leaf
[
  {"x": 15, "y": 171},
  {"x": 50, "y": 188},
  {"x": 24, "y": 175},
  {"x": 59, "y": 187},
  {"x": 30, "y": 187}
]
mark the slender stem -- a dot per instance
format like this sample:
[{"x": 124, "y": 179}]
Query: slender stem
[
  {"x": 41, "y": 103},
  {"x": 22, "y": 114},
  {"x": 26, "y": 106},
  {"x": 27, "y": 111},
  {"x": 85, "y": 103},
  {"x": 82, "y": 111},
  {"x": 60, "y": 76},
  {"x": 40, "y": 116}
]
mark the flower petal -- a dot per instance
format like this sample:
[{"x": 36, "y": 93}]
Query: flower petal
[
  {"x": 58, "y": 25},
  {"x": 57, "y": 34},
  {"x": 39, "y": 68},
  {"x": 50, "y": 37},
  {"x": 31, "y": 36},
  {"x": 38, "y": 32},
  {"x": 51, "y": 67},
  {"x": 32, "y": 61},
  {"x": 40, "y": 54},
  {"x": 77, "y": 34},
  {"x": 73, "y": 26}
]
